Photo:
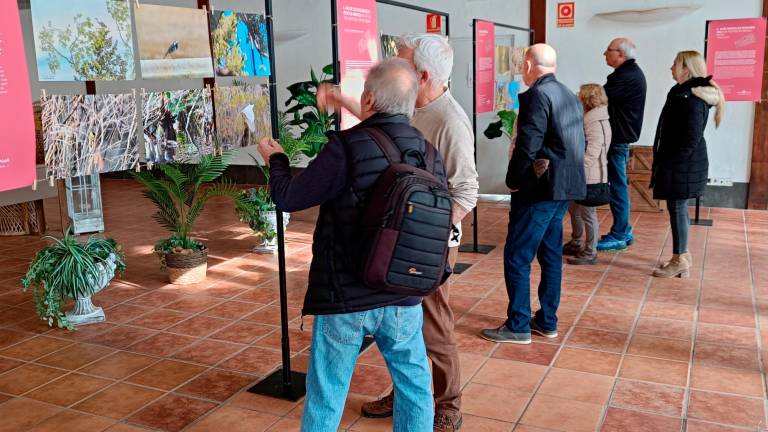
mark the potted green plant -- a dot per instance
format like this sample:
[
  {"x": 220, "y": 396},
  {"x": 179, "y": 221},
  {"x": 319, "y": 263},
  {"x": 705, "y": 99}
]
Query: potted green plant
[
  {"x": 311, "y": 121},
  {"x": 255, "y": 207},
  {"x": 180, "y": 193},
  {"x": 68, "y": 269},
  {"x": 505, "y": 125}
]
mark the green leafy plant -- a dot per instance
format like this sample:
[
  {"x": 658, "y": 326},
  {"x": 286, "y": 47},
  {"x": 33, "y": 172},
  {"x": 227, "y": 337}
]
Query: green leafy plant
[
  {"x": 312, "y": 122},
  {"x": 292, "y": 146},
  {"x": 504, "y": 125},
  {"x": 67, "y": 269},
  {"x": 180, "y": 194},
  {"x": 252, "y": 206}
]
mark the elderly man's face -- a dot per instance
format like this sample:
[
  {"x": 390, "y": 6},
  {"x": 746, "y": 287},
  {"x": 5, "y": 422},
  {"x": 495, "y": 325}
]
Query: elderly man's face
[{"x": 613, "y": 55}]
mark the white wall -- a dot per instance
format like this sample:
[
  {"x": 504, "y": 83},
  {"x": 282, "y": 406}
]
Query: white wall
[{"x": 580, "y": 61}]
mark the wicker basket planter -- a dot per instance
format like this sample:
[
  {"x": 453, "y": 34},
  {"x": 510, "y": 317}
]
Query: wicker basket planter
[{"x": 187, "y": 267}]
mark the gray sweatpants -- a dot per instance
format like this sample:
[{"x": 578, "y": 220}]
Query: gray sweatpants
[{"x": 584, "y": 219}]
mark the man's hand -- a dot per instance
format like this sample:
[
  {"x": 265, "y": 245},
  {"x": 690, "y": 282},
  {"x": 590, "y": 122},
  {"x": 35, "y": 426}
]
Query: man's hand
[
  {"x": 328, "y": 95},
  {"x": 540, "y": 166},
  {"x": 268, "y": 147}
]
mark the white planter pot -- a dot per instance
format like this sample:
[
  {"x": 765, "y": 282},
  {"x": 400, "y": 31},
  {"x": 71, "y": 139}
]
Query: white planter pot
[
  {"x": 271, "y": 246},
  {"x": 84, "y": 311}
]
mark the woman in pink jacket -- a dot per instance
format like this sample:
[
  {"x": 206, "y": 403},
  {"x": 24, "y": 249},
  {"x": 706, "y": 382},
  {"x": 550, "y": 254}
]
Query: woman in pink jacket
[{"x": 598, "y": 132}]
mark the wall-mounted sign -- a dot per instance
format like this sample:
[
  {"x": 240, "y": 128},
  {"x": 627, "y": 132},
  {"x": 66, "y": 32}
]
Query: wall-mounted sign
[
  {"x": 358, "y": 37},
  {"x": 17, "y": 121},
  {"x": 735, "y": 55},
  {"x": 565, "y": 14},
  {"x": 434, "y": 23},
  {"x": 485, "y": 42}
]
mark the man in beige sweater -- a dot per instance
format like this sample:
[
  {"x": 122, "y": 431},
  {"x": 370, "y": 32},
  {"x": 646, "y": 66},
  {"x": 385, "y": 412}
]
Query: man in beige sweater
[{"x": 444, "y": 124}]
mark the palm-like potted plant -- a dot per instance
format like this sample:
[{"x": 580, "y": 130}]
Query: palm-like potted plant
[
  {"x": 180, "y": 194},
  {"x": 68, "y": 269}
]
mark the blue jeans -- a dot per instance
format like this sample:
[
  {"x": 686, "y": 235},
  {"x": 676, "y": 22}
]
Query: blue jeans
[
  {"x": 336, "y": 341},
  {"x": 535, "y": 230},
  {"x": 618, "y": 155},
  {"x": 678, "y": 219}
]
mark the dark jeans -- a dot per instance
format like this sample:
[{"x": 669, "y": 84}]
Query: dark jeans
[
  {"x": 535, "y": 230},
  {"x": 678, "y": 219},
  {"x": 618, "y": 155}
]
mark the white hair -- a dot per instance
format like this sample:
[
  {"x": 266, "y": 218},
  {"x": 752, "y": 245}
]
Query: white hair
[
  {"x": 394, "y": 86},
  {"x": 627, "y": 47},
  {"x": 431, "y": 53}
]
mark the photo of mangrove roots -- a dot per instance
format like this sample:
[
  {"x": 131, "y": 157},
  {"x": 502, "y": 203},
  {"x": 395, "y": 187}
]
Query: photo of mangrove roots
[
  {"x": 178, "y": 125},
  {"x": 83, "y": 40},
  {"x": 242, "y": 115},
  {"x": 88, "y": 134},
  {"x": 240, "y": 44},
  {"x": 173, "y": 42}
]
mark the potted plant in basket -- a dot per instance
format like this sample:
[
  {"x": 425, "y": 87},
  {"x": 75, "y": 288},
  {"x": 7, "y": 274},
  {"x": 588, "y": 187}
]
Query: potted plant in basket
[
  {"x": 68, "y": 269},
  {"x": 180, "y": 194}
]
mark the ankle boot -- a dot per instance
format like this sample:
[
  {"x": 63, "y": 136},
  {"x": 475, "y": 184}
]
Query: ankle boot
[
  {"x": 688, "y": 258},
  {"x": 678, "y": 266}
]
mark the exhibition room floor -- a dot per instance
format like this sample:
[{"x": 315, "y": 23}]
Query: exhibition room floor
[{"x": 635, "y": 353}]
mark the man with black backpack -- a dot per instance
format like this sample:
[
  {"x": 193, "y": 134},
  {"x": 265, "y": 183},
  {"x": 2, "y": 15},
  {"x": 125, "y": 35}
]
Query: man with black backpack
[{"x": 380, "y": 245}]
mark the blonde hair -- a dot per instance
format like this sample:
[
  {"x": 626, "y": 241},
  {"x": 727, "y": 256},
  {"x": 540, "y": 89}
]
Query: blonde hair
[
  {"x": 592, "y": 96},
  {"x": 693, "y": 62}
]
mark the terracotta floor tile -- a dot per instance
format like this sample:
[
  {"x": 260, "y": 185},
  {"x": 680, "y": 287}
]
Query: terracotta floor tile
[
  {"x": 8, "y": 364},
  {"x": 668, "y": 311},
  {"x": 621, "y": 420},
  {"x": 156, "y": 299},
  {"x": 725, "y": 409},
  {"x": 655, "y": 398},
  {"x": 513, "y": 375},
  {"x": 159, "y": 319},
  {"x": 194, "y": 304},
  {"x": 699, "y": 426},
  {"x": 664, "y": 328},
  {"x": 271, "y": 315},
  {"x": 232, "y": 309},
  {"x": 199, "y": 326},
  {"x": 208, "y": 352},
  {"x": 266, "y": 404},
  {"x": 299, "y": 340},
  {"x": 171, "y": 413},
  {"x": 69, "y": 389},
  {"x": 715, "y": 355},
  {"x": 481, "y": 400},
  {"x": 613, "y": 305},
  {"x": 76, "y": 356},
  {"x": 233, "y": 419},
  {"x": 217, "y": 384},
  {"x": 677, "y": 296},
  {"x": 578, "y": 386},
  {"x": 370, "y": 380},
  {"x": 486, "y": 425},
  {"x": 121, "y": 337},
  {"x": 606, "y": 321},
  {"x": 655, "y": 370},
  {"x": 727, "y": 335},
  {"x": 166, "y": 374},
  {"x": 634, "y": 292},
  {"x": 118, "y": 401},
  {"x": 562, "y": 414},
  {"x": 669, "y": 349},
  {"x": 536, "y": 353},
  {"x": 256, "y": 360},
  {"x": 73, "y": 421},
  {"x": 119, "y": 365},
  {"x": 25, "y": 378},
  {"x": 36, "y": 347},
  {"x": 739, "y": 381},
  {"x": 597, "y": 339},
  {"x": 21, "y": 414},
  {"x": 162, "y": 344},
  {"x": 602, "y": 363},
  {"x": 259, "y": 295},
  {"x": 243, "y": 332},
  {"x": 726, "y": 317},
  {"x": 124, "y": 312},
  {"x": 293, "y": 425}
]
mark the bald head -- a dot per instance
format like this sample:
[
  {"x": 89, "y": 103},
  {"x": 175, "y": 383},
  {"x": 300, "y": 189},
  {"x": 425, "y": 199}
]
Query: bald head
[{"x": 541, "y": 59}]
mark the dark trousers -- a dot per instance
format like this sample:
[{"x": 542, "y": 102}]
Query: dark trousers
[
  {"x": 535, "y": 230},
  {"x": 678, "y": 219}
]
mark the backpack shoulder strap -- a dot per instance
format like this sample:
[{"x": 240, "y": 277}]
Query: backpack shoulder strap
[
  {"x": 390, "y": 150},
  {"x": 430, "y": 156}
]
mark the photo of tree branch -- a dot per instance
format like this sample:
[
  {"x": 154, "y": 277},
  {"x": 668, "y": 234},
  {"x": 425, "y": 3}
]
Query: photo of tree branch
[
  {"x": 240, "y": 44},
  {"x": 88, "y": 134},
  {"x": 83, "y": 40},
  {"x": 178, "y": 125},
  {"x": 242, "y": 114}
]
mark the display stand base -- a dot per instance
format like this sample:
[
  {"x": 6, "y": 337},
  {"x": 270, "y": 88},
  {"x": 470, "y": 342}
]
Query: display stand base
[
  {"x": 460, "y": 268},
  {"x": 702, "y": 222},
  {"x": 481, "y": 249},
  {"x": 273, "y": 386}
]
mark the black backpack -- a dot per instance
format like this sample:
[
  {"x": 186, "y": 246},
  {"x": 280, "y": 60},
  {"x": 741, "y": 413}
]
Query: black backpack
[{"x": 406, "y": 223}]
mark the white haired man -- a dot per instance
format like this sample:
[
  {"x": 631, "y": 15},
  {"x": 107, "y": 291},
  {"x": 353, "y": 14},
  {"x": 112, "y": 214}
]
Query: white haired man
[{"x": 444, "y": 124}]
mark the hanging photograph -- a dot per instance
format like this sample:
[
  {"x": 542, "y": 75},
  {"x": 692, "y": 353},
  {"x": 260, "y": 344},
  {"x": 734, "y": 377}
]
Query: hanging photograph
[
  {"x": 173, "y": 42},
  {"x": 388, "y": 46},
  {"x": 516, "y": 60},
  {"x": 502, "y": 59},
  {"x": 242, "y": 115},
  {"x": 240, "y": 44},
  {"x": 88, "y": 134},
  {"x": 178, "y": 125},
  {"x": 83, "y": 40}
]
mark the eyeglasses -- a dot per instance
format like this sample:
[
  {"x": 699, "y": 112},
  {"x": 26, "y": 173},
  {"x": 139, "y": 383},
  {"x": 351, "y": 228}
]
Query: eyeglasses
[{"x": 612, "y": 49}]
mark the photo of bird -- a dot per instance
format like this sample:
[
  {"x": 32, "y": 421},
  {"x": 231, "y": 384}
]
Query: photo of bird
[{"x": 172, "y": 49}]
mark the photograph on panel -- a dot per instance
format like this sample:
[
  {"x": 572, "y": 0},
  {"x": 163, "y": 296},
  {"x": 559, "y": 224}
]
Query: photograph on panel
[
  {"x": 388, "y": 46},
  {"x": 89, "y": 134},
  {"x": 503, "y": 64},
  {"x": 173, "y": 42},
  {"x": 83, "y": 40},
  {"x": 178, "y": 125},
  {"x": 242, "y": 114},
  {"x": 240, "y": 44}
]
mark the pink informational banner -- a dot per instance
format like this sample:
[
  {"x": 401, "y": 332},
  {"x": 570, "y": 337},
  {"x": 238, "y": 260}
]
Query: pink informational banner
[
  {"x": 17, "y": 122},
  {"x": 735, "y": 54},
  {"x": 485, "y": 42},
  {"x": 358, "y": 38}
]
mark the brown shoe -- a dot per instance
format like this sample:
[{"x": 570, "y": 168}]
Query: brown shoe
[
  {"x": 676, "y": 267},
  {"x": 379, "y": 408},
  {"x": 447, "y": 421}
]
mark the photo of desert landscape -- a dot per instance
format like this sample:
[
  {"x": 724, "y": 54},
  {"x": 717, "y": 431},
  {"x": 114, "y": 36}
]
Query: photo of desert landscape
[
  {"x": 242, "y": 115},
  {"x": 173, "y": 42}
]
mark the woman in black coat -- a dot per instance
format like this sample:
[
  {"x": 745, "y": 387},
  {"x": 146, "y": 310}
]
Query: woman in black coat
[{"x": 680, "y": 164}]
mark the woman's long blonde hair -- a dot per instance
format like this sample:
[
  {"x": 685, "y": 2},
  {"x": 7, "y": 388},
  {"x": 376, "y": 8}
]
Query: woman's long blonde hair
[{"x": 694, "y": 63}]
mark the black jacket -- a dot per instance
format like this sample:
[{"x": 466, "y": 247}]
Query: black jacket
[
  {"x": 551, "y": 126},
  {"x": 339, "y": 180},
  {"x": 680, "y": 163},
  {"x": 626, "y": 89}
]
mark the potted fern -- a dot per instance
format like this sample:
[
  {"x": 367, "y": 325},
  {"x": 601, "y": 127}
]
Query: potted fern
[
  {"x": 180, "y": 193},
  {"x": 68, "y": 269}
]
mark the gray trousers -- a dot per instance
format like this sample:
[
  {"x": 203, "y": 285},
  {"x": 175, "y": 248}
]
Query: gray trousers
[{"x": 584, "y": 220}]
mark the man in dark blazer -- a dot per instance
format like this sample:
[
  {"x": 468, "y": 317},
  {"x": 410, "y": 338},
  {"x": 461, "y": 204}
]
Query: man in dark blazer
[{"x": 550, "y": 128}]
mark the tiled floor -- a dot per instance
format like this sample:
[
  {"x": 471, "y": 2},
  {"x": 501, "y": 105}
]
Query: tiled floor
[{"x": 635, "y": 353}]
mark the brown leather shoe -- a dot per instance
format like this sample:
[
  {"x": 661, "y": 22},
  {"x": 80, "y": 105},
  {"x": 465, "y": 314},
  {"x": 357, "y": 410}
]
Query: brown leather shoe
[
  {"x": 447, "y": 421},
  {"x": 379, "y": 408}
]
